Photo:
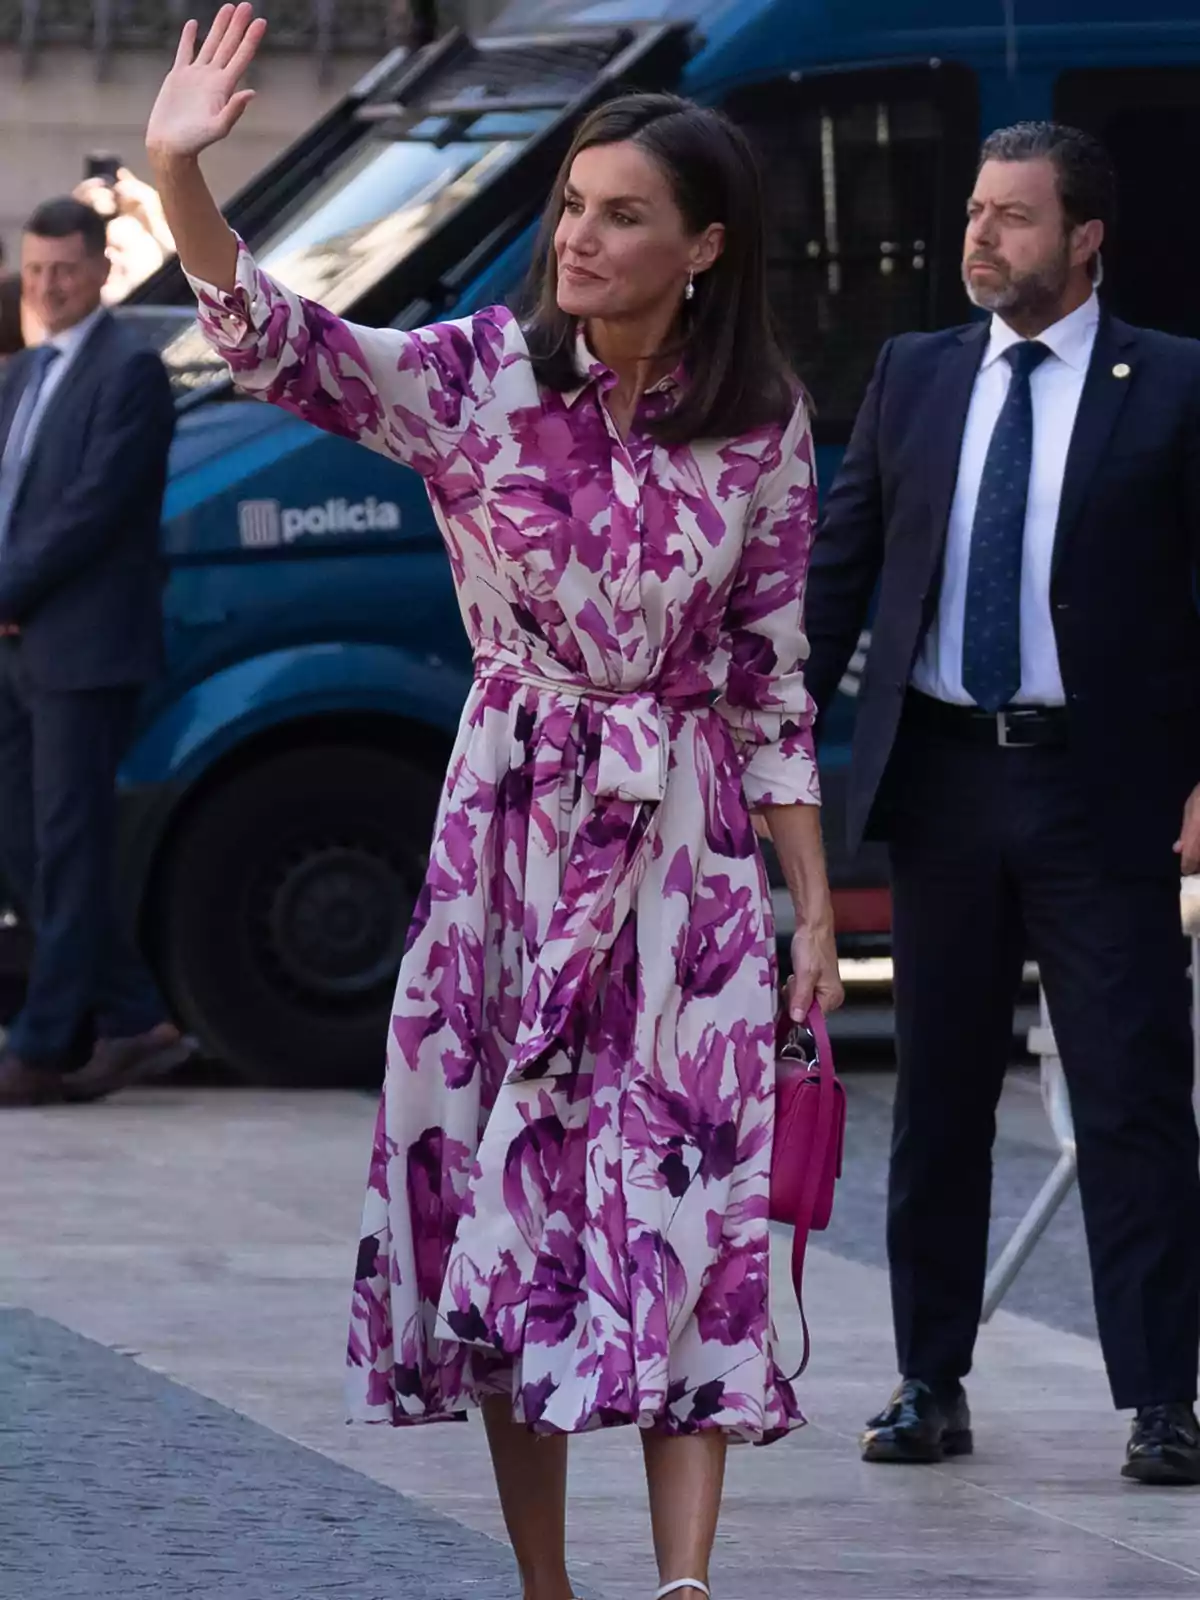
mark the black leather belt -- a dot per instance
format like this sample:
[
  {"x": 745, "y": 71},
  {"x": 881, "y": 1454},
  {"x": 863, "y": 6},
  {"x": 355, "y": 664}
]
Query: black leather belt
[{"x": 1017, "y": 728}]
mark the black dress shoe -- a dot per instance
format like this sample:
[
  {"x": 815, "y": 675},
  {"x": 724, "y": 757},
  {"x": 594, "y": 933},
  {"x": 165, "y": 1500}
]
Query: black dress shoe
[
  {"x": 1164, "y": 1446},
  {"x": 920, "y": 1425}
]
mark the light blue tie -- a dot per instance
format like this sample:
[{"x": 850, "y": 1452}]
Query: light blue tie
[
  {"x": 991, "y": 664},
  {"x": 12, "y": 465}
]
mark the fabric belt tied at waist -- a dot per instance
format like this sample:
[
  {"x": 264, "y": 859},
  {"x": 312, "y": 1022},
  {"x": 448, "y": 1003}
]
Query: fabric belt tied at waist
[
  {"x": 634, "y": 739},
  {"x": 606, "y": 863}
]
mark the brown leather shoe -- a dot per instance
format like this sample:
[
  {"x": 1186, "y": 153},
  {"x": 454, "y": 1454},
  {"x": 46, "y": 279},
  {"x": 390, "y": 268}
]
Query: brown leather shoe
[
  {"x": 24, "y": 1084},
  {"x": 119, "y": 1063}
]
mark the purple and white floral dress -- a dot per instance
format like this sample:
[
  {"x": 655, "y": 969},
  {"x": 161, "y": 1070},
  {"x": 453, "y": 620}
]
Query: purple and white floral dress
[{"x": 568, "y": 1193}]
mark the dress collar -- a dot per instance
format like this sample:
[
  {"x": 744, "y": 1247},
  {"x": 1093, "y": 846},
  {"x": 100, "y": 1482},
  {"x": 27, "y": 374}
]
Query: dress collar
[{"x": 591, "y": 370}]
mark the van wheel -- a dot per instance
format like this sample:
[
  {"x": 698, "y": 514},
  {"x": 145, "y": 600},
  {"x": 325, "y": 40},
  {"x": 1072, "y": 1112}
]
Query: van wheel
[{"x": 285, "y": 908}]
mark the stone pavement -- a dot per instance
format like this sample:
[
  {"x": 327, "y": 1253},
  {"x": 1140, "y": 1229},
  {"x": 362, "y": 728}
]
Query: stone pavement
[
  {"x": 170, "y": 1419},
  {"x": 115, "y": 1482}
]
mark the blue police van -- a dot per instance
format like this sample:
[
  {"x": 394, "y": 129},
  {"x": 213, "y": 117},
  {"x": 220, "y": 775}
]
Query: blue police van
[{"x": 279, "y": 797}]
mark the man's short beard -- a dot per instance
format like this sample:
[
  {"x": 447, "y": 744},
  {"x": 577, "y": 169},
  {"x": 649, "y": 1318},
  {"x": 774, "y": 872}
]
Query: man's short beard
[{"x": 1033, "y": 294}]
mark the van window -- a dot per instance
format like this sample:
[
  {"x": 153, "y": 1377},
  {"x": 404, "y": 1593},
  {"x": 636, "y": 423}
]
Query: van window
[
  {"x": 1149, "y": 118},
  {"x": 867, "y": 176},
  {"x": 380, "y": 199}
]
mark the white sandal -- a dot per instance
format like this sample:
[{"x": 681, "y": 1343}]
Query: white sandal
[{"x": 684, "y": 1583}]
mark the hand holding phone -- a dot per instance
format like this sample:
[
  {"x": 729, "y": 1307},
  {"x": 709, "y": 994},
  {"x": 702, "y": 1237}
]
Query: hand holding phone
[{"x": 100, "y": 164}]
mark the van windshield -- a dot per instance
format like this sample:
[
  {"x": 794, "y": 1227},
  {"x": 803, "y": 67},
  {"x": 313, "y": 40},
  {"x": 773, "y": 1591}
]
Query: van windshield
[{"x": 385, "y": 197}]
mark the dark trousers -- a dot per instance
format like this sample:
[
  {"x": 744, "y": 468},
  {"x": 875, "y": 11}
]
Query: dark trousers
[
  {"x": 59, "y": 754},
  {"x": 993, "y": 856}
]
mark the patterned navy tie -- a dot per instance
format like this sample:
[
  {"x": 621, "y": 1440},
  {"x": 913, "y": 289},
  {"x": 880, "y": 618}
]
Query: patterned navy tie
[{"x": 991, "y": 664}]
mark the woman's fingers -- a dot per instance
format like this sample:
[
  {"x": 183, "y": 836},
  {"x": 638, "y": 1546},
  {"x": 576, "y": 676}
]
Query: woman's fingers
[
  {"x": 233, "y": 111},
  {"x": 234, "y": 35},
  {"x": 246, "y": 51},
  {"x": 207, "y": 52},
  {"x": 830, "y": 995},
  {"x": 186, "y": 52},
  {"x": 800, "y": 996}
]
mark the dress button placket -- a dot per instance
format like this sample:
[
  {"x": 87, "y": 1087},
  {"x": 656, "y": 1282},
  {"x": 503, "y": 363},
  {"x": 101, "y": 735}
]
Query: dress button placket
[{"x": 627, "y": 573}]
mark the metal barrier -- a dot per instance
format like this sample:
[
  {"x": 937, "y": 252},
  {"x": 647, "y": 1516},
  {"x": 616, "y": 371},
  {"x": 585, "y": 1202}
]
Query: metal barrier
[
  {"x": 1060, "y": 1182},
  {"x": 1058, "y": 1110}
]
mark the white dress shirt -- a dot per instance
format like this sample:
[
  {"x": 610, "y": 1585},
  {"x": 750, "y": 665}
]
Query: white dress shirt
[{"x": 1055, "y": 386}]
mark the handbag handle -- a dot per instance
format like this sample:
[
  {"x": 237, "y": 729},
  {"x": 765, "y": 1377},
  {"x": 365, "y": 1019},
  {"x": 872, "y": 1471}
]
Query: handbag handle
[
  {"x": 817, "y": 1026},
  {"x": 819, "y": 1156}
]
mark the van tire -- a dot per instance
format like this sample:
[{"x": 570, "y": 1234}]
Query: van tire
[{"x": 284, "y": 908}]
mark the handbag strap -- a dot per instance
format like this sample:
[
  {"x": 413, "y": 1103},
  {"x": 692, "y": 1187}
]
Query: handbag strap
[{"x": 817, "y": 1164}]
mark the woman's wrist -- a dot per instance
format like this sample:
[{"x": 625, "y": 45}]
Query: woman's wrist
[
  {"x": 811, "y": 896},
  {"x": 166, "y": 163},
  {"x": 815, "y": 916}
]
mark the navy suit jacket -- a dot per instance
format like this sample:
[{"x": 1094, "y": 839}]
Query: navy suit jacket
[
  {"x": 81, "y": 571},
  {"x": 1122, "y": 589}
]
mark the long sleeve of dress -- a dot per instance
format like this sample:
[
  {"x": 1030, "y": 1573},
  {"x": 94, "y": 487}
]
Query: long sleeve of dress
[
  {"x": 765, "y": 701},
  {"x": 409, "y": 395}
]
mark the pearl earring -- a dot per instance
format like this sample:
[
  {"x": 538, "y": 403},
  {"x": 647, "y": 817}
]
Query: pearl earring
[{"x": 690, "y": 292}]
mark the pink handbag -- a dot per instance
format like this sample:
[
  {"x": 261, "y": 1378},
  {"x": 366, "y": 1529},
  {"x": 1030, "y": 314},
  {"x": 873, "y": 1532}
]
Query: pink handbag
[{"x": 810, "y": 1131}]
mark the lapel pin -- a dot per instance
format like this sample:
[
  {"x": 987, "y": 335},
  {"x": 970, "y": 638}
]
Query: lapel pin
[{"x": 1121, "y": 370}]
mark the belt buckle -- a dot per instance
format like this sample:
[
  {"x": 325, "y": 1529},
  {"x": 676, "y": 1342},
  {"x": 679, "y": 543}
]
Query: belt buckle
[{"x": 1003, "y": 738}]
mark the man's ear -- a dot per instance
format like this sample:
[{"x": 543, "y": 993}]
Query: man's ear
[{"x": 1087, "y": 240}]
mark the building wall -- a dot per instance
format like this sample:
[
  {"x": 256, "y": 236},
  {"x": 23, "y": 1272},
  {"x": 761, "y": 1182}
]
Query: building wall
[
  {"x": 50, "y": 121},
  {"x": 56, "y": 109}
]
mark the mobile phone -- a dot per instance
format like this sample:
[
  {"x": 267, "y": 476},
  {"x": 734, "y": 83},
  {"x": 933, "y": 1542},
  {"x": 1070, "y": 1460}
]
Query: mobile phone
[{"x": 103, "y": 166}]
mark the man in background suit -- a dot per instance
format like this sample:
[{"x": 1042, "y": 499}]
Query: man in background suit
[
  {"x": 1026, "y": 493},
  {"x": 85, "y": 426}
]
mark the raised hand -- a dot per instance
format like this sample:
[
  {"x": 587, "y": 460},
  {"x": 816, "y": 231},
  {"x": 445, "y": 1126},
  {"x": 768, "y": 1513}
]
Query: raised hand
[{"x": 200, "y": 100}]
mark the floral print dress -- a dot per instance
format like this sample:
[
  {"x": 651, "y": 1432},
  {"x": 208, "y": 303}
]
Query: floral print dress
[{"x": 567, "y": 1200}]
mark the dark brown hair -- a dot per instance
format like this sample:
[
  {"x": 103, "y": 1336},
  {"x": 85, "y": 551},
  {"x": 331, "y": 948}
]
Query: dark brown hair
[
  {"x": 63, "y": 219},
  {"x": 737, "y": 377}
]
